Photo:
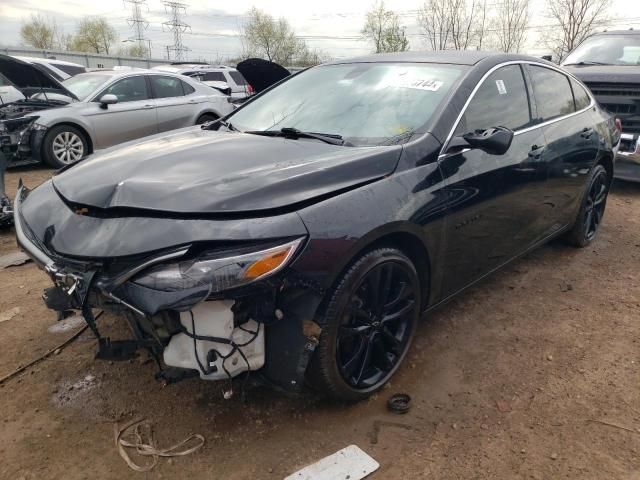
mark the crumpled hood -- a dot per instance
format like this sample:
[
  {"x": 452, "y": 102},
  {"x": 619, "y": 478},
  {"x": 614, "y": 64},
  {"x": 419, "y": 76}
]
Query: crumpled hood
[
  {"x": 606, "y": 73},
  {"x": 196, "y": 171}
]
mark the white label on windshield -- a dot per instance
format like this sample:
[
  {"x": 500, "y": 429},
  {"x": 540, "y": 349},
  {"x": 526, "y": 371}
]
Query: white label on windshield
[
  {"x": 430, "y": 85},
  {"x": 502, "y": 90}
]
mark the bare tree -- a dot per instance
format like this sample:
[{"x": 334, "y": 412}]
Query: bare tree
[
  {"x": 39, "y": 32},
  {"x": 512, "y": 18},
  {"x": 434, "y": 19},
  {"x": 576, "y": 20},
  {"x": 453, "y": 24},
  {"x": 94, "y": 35},
  {"x": 382, "y": 28}
]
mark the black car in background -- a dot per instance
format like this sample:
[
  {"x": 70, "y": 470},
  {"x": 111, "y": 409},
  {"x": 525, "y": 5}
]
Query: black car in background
[
  {"x": 305, "y": 234},
  {"x": 609, "y": 64}
]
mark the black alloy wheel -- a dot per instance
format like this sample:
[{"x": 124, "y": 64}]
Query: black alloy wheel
[
  {"x": 370, "y": 320},
  {"x": 592, "y": 209}
]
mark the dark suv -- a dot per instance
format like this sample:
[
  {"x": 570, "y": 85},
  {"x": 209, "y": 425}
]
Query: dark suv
[{"x": 609, "y": 64}]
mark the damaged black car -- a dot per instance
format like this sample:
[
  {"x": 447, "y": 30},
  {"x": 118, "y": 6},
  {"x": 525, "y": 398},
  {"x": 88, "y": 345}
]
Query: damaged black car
[{"x": 302, "y": 237}]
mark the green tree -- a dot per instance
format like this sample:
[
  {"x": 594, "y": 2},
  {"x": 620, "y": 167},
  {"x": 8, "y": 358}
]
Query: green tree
[
  {"x": 270, "y": 38},
  {"x": 39, "y": 32},
  {"x": 382, "y": 28},
  {"x": 94, "y": 35}
]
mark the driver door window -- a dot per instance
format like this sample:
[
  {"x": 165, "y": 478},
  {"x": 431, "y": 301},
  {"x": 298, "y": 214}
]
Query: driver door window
[
  {"x": 128, "y": 89},
  {"x": 501, "y": 101}
]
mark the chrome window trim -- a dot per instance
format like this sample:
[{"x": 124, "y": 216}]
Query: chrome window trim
[{"x": 522, "y": 130}]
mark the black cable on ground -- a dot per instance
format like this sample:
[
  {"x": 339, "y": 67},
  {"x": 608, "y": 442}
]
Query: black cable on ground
[{"x": 47, "y": 353}]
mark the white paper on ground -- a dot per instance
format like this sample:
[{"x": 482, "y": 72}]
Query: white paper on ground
[{"x": 350, "y": 462}]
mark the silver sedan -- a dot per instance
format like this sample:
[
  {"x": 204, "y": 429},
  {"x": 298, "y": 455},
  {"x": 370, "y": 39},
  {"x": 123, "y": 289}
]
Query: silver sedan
[{"x": 115, "y": 107}]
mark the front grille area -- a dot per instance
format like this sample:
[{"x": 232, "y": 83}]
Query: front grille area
[
  {"x": 614, "y": 89},
  {"x": 620, "y": 108},
  {"x": 621, "y": 100}
]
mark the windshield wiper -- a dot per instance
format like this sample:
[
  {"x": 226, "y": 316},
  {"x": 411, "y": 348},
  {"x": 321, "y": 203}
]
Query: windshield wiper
[
  {"x": 294, "y": 133},
  {"x": 586, "y": 62}
]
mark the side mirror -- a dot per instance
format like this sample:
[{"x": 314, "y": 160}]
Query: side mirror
[
  {"x": 222, "y": 87},
  {"x": 108, "y": 99},
  {"x": 494, "y": 141}
]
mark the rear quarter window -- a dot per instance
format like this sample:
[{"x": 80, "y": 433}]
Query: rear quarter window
[
  {"x": 238, "y": 78},
  {"x": 552, "y": 92},
  {"x": 582, "y": 98}
]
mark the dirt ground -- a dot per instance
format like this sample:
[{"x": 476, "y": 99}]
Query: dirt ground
[{"x": 535, "y": 373}]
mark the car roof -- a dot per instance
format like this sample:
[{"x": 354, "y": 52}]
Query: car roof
[
  {"x": 618, "y": 32},
  {"x": 455, "y": 57},
  {"x": 52, "y": 61}
]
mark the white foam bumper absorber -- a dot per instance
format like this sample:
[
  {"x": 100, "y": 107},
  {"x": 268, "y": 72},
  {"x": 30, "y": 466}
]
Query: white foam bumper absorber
[{"x": 215, "y": 319}]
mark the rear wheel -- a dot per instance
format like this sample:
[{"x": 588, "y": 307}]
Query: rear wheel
[
  {"x": 585, "y": 229},
  {"x": 368, "y": 326},
  {"x": 64, "y": 145},
  {"x": 206, "y": 117}
]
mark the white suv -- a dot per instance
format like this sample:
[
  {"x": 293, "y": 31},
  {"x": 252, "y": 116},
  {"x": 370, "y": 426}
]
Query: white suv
[{"x": 205, "y": 73}]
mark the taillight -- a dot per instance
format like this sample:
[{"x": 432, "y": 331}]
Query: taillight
[
  {"x": 250, "y": 89},
  {"x": 618, "y": 125}
]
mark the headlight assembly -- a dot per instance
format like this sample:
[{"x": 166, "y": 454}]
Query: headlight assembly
[
  {"x": 19, "y": 124},
  {"x": 220, "y": 272}
]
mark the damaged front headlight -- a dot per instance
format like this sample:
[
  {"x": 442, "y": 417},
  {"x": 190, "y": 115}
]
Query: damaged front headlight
[{"x": 220, "y": 272}]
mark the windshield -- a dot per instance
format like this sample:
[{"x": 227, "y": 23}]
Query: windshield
[
  {"x": 607, "y": 49},
  {"x": 83, "y": 85},
  {"x": 365, "y": 103}
]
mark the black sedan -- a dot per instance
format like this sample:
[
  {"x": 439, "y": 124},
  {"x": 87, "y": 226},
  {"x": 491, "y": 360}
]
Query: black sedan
[{"x": 303, "y": 236}]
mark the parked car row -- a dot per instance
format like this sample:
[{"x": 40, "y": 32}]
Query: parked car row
[
  {"x": 61, "y": 122},
  {"x": 304, "y": 235}
]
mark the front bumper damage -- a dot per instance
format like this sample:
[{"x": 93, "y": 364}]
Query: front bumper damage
[
  {"x": 21, "y": 140},
  {"x": 266, "y": 327}
]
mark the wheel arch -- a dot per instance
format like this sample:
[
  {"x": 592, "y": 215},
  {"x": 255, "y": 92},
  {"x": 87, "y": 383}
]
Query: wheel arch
[
  {"x": 82, "y": 129},
  {"x": 407, "y": 238},
  {"x": 606, "y": 161}
]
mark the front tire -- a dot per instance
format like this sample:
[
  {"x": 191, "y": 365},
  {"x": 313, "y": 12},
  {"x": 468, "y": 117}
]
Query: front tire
[
  {"x": 585, "y": 229},
  {"x": 206, "y": 117},
  {"x": 368, "y": 325},
  {"x": 64, "y": 145}
]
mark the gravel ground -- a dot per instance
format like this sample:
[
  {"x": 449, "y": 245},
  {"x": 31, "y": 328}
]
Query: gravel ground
[{"x": 534, "y": 373}]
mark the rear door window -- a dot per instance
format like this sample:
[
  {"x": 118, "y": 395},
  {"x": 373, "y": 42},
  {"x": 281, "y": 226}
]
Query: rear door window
[
  {"x": 70, "y": 69},
  {"x": 166, "y": 87},
  {"x": 501, "y": 101},
  {"x": 552, "y": 92},
  {"x": 214, "y": 76}
]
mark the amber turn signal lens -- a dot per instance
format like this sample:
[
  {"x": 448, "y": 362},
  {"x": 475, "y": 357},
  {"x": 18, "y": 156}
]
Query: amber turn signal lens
[{"x": 267, "y": 264}]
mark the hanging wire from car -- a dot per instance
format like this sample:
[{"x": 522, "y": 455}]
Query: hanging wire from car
[{"x": 235, "y": 347}]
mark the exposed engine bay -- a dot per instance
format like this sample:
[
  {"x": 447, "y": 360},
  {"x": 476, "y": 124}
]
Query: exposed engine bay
[{"x": 37, "y": 91}]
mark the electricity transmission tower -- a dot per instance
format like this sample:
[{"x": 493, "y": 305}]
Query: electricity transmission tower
[
  {"x": 139, "y": 25},
  {"x": 178, "y": 27}
]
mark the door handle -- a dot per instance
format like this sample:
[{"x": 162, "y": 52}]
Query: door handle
[
  {"x": 148, "y": 106},
  {"x": 586, "y": 133},
  {"x": 536, "y": 152}
]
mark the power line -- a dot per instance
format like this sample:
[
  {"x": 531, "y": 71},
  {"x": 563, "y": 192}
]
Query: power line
[
  {"x": 178, "y": 27},
  {"x": 139, "y": 25}
]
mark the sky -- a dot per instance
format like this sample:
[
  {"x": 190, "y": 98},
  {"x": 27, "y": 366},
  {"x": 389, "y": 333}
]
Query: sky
[{"x": 331, "y": 26}]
